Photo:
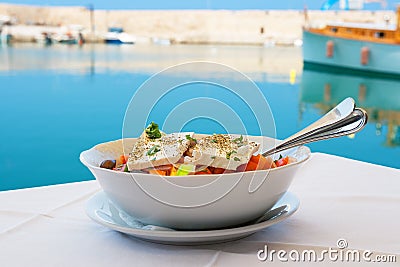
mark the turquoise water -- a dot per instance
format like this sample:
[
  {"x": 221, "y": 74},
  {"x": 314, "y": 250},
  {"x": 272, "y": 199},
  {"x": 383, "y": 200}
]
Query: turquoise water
[
  {"x": 209, "y": 4},
  {"x": 58, "y": 101}
]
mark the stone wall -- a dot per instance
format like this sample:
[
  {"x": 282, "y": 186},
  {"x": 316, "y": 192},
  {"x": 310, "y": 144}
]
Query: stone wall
[{"x": 193, "y": 26}]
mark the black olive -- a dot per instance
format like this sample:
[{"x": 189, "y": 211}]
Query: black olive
[{"x": 108, "y": 164}]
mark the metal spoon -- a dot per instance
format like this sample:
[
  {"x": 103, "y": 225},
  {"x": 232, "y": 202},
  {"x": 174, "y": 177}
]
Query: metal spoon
[
  {"x": 342, "y": 120},
  {"x": 352, "y": 124}
]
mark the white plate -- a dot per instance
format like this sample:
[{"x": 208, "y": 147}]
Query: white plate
[{"x": 102, "y": 210}]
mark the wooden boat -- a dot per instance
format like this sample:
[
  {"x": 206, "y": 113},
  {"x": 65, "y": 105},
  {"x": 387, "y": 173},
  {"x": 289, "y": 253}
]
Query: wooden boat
[{"x": 364, "y": 47}]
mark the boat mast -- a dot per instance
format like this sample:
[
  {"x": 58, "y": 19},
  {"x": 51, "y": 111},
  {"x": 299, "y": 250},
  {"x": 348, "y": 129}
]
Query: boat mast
[{"x": 397, "y": 29}]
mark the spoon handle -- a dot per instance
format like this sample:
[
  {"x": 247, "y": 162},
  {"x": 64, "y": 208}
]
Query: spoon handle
[
  {"x": 353, "y": 123},
  {"x": 338, "y": 113},
  {"x": 350, "y": 124}
]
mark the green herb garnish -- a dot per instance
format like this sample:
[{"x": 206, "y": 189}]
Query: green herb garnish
[
  {"x": 152, "y": 131},
  {"x": 238, "y": 140},
  {"x": 236, "y": 159},
  {"x": 188, "y": 137},
  {"x": 228, "y": 155},
  {"x": 153, "y": 150},
  {"x": 212, "y": 157}
]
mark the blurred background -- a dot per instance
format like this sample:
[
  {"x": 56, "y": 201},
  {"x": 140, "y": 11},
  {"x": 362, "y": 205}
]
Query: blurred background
[{"x": 68, "y": 72}]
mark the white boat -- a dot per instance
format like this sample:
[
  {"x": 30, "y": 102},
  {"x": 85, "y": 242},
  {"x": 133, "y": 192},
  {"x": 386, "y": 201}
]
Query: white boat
[{"x": 116, "y": 35}]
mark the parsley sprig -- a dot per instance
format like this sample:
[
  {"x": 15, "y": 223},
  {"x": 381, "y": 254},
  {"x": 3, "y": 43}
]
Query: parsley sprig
[
  {"x": 152, "y": 131},
  {"x": 188, "y": 137},
  {"x": 238, "y": 140},
  {"x": 229, "y": 154},
  {"x": 153, "y": 150}
]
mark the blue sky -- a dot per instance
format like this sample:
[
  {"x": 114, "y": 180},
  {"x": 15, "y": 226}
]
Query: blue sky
[{"x": 195, "y": 4}]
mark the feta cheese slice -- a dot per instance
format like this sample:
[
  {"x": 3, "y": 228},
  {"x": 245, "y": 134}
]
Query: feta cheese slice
[
  {"x": 167, "y": 149},
  {"x": 222, "y": 151}
]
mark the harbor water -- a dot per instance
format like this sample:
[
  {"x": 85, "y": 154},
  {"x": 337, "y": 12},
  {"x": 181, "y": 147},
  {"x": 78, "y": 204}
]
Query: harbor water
[{"x": 59, "y": 100}]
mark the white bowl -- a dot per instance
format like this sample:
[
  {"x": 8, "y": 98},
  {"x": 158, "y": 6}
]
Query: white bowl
[{"x": 194, "y": 201}]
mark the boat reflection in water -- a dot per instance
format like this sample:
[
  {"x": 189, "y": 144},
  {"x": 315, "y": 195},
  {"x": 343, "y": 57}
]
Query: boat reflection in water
[{"x": 379, "y": 96}]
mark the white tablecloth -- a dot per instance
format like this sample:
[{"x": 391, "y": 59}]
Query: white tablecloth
[{"x": 340, "y": 198}]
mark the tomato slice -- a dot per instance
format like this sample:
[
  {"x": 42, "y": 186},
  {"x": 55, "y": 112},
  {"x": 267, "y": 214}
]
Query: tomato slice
[
  {"x": 159, "y": 172},
  {"x": 218, "y": 170},
  {"x": 282, "y": 161},
  {"x": 255, "y": 159},
  {"x": 205, "y": 171},
  {"x": 122, "y": 159},
  {"x": 259, "y": 162},
  {"x": 251, "y": 166},
  {"x": 264, "y": 163}
]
